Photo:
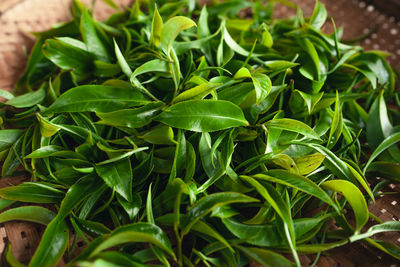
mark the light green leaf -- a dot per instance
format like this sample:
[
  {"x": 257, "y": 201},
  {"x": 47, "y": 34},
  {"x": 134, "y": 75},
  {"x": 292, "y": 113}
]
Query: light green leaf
[
  {"x": 387, "y": 143},
  {"x": 339, "y": 167},
  {"x": 96, "y": 98},
  {"x": 197, "y": 92},
  {"x": 131, "y": 118},
  {"x": 262, "y": 85},
  {"x": 319, "y": 15},
  {"x": 32, "y": 192},
  {"x": 6, "y": 94},
  {"x": 121, "y": 60},
  {"x": 292, "y": 126},
  {"x": 354, "y": 197},
  {"x": 53, "y": 244},
  {"x": 156, "y": 28},
  {"x": 28, "y": 213},
  {"x": 296, "y": 181},
  {"x": 171, "y": 29},
  {"x": 29, "y": 99},
  {"x": 265, "y": 257},
  {"x": 47, "y": 129},
  {"x": 132, "y": 233},
  {"x": 309, "y": 163},
  {"x": 389, "y": 226},
  {"x": 208, "y": 203}
]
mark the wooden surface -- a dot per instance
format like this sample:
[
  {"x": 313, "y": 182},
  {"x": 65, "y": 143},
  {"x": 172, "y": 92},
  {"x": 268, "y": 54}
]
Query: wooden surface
[
  {"x": 390, "y": 7},
  {"x": 18, "y": 18}
]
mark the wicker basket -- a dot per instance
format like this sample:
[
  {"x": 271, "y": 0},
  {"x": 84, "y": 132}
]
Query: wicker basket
[{"x": 19, "y": 17}]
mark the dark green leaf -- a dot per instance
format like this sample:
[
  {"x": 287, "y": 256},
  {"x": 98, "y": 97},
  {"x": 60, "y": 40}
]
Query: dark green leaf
[
  {"x": 203, "y": 115},
  {"x": 32, "y": 192},
  {"x": 96, "y": 98}
]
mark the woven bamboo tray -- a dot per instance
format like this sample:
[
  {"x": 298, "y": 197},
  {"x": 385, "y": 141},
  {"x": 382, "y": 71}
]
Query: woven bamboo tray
[{"x": 20, "y": 17}]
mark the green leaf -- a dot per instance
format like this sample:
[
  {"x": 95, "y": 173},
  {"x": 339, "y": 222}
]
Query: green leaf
[
  {"x": 149, "y": 207},
  {"x": 96, "y": 98},
  {"x": 132, "y": 208},
  {"x": 367, "y": 73},
  {"x": 132, "y": 233},
  {"x": 200, "y": 227},
  {"x": 4, "y": 203},
  {"x": 389, "y": 248},
  {"x": 156, "y": 28},
  {"x": 118, "y": 176},
  {"x": 208, "y": 203},
  {"x": 235, "y": 46},
  {"x": 131, "y": 118},
  {"x": 32, "y": 192},
  {"x": 121, "y": 61},
  {"x": 319, "y": 15},
  {"x": 29, "y": 99},
  {"x": 92, "y": 228},
  {"x": 114, "y": 259},
  {"x": 68, "y": 57},
  {"x": 339, "y": 167},
  {"x": 28, "y": 213},
  {"x": 44, "y": 152},
  {"x": 385, "y": 169},
  {"x": 155, "y": 65},
  {"x": 159, "y": 135},
  {"x": 296, "y": 181},
  {"x": 47, "y": 129},
  {"x": 8, "y": 137},
  {"x": 276, "y": 66},
  {"x": 387, "y": 143},
  {"x": 268, "y": 235},
  {"x": 309, "y": 48},
  {"x": 315, "y": 248},
  {"x": 179, "y": 157},
  {"x": 9, "y": 257},
  {"x": 309, "y": 163},
  {"x": 203, "y": 115},
  {"x": 197, "y": 92},
  {"x": 12, "y": 160},
  {"x": 77, "y": 193},
  {"x": 52, "y": 246},
  {"x": 292, "y": 126},
  {"x": 337, "y": 124},
  {"x": 379, "y": 126},
  {"x": 93, "y": 42},
  {"x": 269, "y": 193},
  {"x": 37, "y": 67},
  {"x": 123, "y": 156},
  {"x": 171, "y": 29},
  {"x": 272, "y": 197},
  {"x": 262, "y": 85},
  {"x": 111, "y": 3},
  {"x": 389, "y": 226},
  {"x": 354, "y": 197},
  {"x": 6, "y": 94},
  {"x": 203, "y": 32},
  {"x": 265, "y": 257},
  {"x": 103, "y": 69},
  {"x": 266, "y": 39},
  {"x": 242, "y": 73}
]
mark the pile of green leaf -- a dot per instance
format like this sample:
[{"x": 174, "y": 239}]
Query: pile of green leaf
[{"x": 199, "y": 139}]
